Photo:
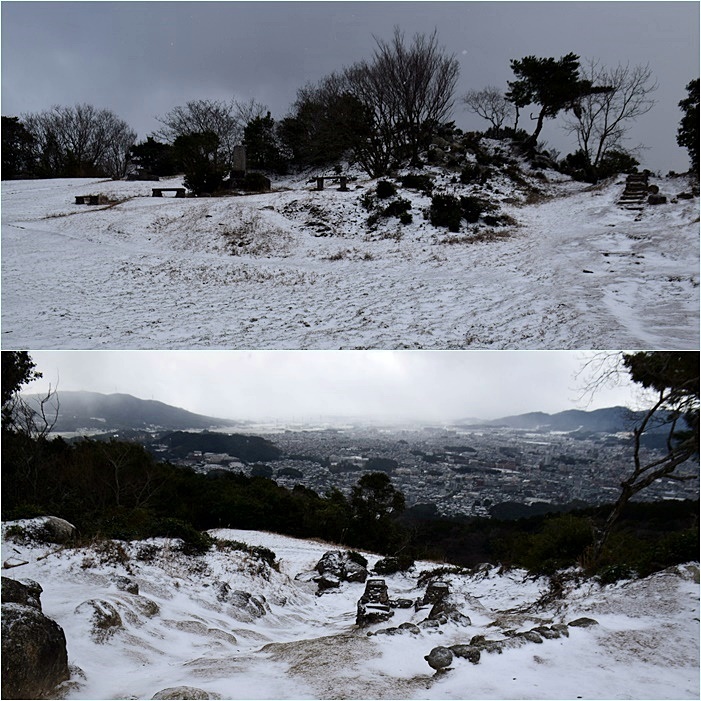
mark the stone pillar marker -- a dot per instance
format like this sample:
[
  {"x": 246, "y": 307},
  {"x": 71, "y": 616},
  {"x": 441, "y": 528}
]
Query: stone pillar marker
[{"x": 239, "y": 161}]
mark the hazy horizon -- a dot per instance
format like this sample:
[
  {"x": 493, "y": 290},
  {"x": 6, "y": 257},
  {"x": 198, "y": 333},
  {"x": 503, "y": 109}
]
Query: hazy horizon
[{"x": 316, "y": 386}]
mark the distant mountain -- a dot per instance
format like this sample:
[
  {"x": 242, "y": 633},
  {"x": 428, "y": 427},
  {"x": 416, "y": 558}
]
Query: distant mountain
[
  {"x": 106, "y": 412},
  {"x": 610, "y": 420}
]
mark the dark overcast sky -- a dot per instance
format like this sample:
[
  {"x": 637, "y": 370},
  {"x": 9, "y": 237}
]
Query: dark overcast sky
[
  {"x": 140, "y": 59},
  {"x": 394, "y": 385}
]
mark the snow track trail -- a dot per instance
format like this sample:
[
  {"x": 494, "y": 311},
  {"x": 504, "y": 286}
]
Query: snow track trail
[{"x": 296, "y": 268}]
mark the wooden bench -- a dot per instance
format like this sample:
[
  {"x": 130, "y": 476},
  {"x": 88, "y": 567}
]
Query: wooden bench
[
  {"x": 158, "y": 191},
  {"x": 87, "y": 199},
  {"x": 342, "y": 179}
]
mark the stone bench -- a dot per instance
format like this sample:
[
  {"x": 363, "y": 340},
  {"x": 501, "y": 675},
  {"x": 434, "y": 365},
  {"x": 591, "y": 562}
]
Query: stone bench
[
  {"x": 158, "y": 191},
  {"x": 341, "y": 179}
]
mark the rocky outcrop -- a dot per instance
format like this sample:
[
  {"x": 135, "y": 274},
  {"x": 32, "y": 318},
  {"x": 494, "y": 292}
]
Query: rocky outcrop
[
  {"x": 34, "y": 655},
  {"x": 338, "y": 566},
  {"x": 101, "y": 617},
  {"x": 247, "y": 606},
  {"x": 443, "y": 607}
]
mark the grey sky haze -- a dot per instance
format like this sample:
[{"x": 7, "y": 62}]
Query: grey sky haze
[
  {"x": 140, "y": 59},
  {"x": 391, "y": 385}
]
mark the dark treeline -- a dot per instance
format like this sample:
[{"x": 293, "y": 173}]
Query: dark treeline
[
  {"x": 381, "y": 114},
  {"x": 118, "y": 490}
]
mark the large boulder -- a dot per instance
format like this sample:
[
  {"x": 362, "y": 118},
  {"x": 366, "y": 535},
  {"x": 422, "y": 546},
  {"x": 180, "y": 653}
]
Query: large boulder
[
  {"x": 439, "y": 658},
  {"x": 34, "y": 655},
  {"x": 338, "y": 566},
  {"x": 27, "y": 592}
]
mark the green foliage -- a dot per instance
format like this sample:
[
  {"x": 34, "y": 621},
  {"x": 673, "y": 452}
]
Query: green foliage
[
  {"x": 17, "y": 370},
  {"x": 420, "y": 182},
  {"x": 561, "y": 541},
  {"x": 257, "y": 551},
  {"x": 688, "y": 131},
  {"x": 356, "y": 557},
  {"x": 18, "y": 150},
  {"x": 263, "y": 147},
  {"x": 392, "y": 565},
  {"x": 154, "y": 157},
  {"x": 612, "y": 162},
  {"x": 198, "y": 156},
  {"x": 405, "y": 218},
  {"x": 395, "y": 209},
  {"x": 446, "y": 211},
  {"x": 385, "y": 189}
]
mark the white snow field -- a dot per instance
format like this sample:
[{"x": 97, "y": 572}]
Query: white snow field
[
  {"x": 179, "y": 631},
  {"x": 300, "y": 269}
]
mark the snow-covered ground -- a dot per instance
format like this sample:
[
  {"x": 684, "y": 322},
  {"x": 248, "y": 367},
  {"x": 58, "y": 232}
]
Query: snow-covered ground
[
  {"x": 179, "y": 631},
  {"x": 300, "y": 269}
]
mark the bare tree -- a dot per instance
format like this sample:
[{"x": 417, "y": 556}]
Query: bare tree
[
  {"x": 603, "y": 119},
  {"x": 419, "y": 84},
  {"x": 225, "y": 119},
  {"x": 674, "y": 377},
  {"x": 80, "y": 141},
  {"x": 491, "y": 104}
]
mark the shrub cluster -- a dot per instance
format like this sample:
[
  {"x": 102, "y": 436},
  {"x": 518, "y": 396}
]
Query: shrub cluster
[{"x": 448, "y": 210}]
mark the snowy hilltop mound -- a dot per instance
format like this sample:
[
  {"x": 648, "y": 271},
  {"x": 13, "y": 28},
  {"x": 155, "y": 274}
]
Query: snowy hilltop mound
[
  {"x": 527, "y": 259},
  {"x": 144, "y": 619}
]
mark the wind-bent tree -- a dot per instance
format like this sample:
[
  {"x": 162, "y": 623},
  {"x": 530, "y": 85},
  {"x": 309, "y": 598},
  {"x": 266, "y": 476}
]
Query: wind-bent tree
[
  {"x": 226, "y": 120},
  {"x": 491, "y": 104},
  {"x": 688, "y": 132},
  {"x": 80, "y": 141},
  {"x": 674, "y": 376},
  {"x": 553, "y": 84},
  {"x": 603, "y": 118}
]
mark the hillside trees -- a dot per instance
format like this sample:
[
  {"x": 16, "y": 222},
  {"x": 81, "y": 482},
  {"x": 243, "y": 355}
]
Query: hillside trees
[
  {"x": 18, "y": 150},
  {"x": 264, "y": 148},
  {"x": 201, "y": 159},
  {"x": 154, "y": 157},
  {"x": 552, "y": 84},
  {"x": 688, "y": 131},
  {"x": 80, "y": 141},
  {"x": 674, "y": 378},
  {"x": 384, "y": 110},
  {"x": 226, "y": 120},
  {"x": 491, "y": 104},
  {"x": 603, "y": 117}
]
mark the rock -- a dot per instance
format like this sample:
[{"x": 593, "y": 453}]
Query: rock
[
  {"x": 531, "y": 636},
  {"x": 337, "y": 566},
  {"x": 547, "y": 633},
  {"x": 58, "y": 530},
  {"x": 248, "y": 606},
  {"x": 373, "y": 605},
  {"x": 439, "y": 658},
  {"x": 435, "y": 592},
  {"x": 34, "y": 655},
  {"x": 685, "y": 196},
  {"x": 27, "y": 592},
  {"x": 126, "y": 584},
  {"x": 583, "y": 623},
  {"x": 656, "y": 199},
  {"x": 410, "y": 628},
  {"x": 469, "y": 652},
  {"x": 561, "y": 628},
  {"x": 103, "y": 618},
  {"x": 446, "y": 610},
  {"x": 401, "y": 603},
  {"x": 428, "y": 623},
  {"x": 185, "y": 692}
]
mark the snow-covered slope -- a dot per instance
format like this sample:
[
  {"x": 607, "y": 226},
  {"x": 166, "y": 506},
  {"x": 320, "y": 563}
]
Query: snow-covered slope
[
  {"x": 297, "y": 268},
  {"x": 188, "y": 626}
]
